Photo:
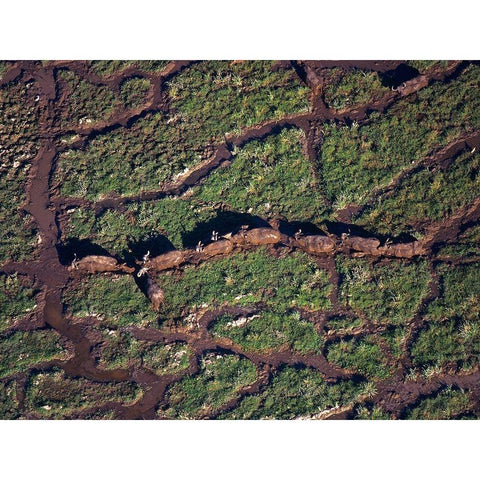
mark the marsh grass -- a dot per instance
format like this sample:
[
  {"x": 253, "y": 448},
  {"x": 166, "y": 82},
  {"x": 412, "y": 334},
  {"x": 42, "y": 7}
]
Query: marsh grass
[
  {"x": 295, "y": 392},
  {"x": 127, "y": 161},
  {"x": 22, "y": 350},
  {"x": 429, "y": 195},
  {"x": 271, "y": 330},
  {"x": 347, "y": 88},
  {"x": 8, "y": 401},
  {"x": 358, "y": 158},
  {"x": 246, "y": 278},
  {"x": 447, "y": 404},
  {"x": 17, "y": 298},
  {"x": 219, "y": 380},
  {"x": 18, "y": 148},
  {"x": 269, "y": 178},
  {"x": 113, "y": 298},
  {"x": 84, "y": 102},
  {"x": 216, "y": 97},
  {"x": 52, "y": 394},
  {"x": 388, "y": 293},
  {"x": 134, "y": 91}
]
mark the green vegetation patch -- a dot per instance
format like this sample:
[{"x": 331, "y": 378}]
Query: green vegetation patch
[
  {"x": 181, "y": 221},
  {"x": 22, "y": 350},
  {"x": 343, "y": 322},
  {"x": 426, "y": 196},
  {"x": 363, "y": 356},
  {"x": 8, "y": 401},
  {"x": 358, "y": 158},
  {"x": 424, "y": 66},
  {"x": 84, "y": 103},
  {"x": 447, "y": 404},
  {"x": 120, "y": 350},
  {"x": 468, "y": 245},
  {"x": 449, "y": 342},
  {"x": 167, "y": 359},
  {"x": 112, "y": 230},
  {"x": 270, "y": 330},
  {"x": 114, "y": 299},
  {"x": 3, "y": 68},
  {"x": 221, "y": 379},
  {"x": 53, "y": 395},
  {"x": 387, "y": 293},
  {"x": 269, "y": 178},
  {"x": 117, "y": 349},
  {"x": 460, "y": 296},
  {"x": 134, "y": 91},
  {"x": 104, "y": 68},
  {"x": 18, "y": 147},
  {"x": 370, "y": 412},
  {"x": 126, "y": 161},
  {"x": 218, "y": 97},
  {"x": 344, "y": 88},
  {"x": 17, "y": 298},
  {"x": 295, "y": 392},
  {"x": 246, "y": 278}
]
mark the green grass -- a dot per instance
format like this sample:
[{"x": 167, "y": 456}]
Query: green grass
[
  {"x": 112, "y": 230},
  {"x": 295, "y": 392},
  {"x": 157, "y": 147},
  {"x": 447, "y": 404},
  {"x": 8, "y": 401},
  {"x": 115, "y": 299},
  {"x": 127, "y": 161},
  {"x": 117, "y": 349},
  {"x": 268, "y": 178},
  {"x": 425, "y": 197},
  {"x": 53, "y": 395},
  {"x": 342, "y": 322},
  {"x": 120, "y": 350},
  {"x": 395, "y": 340},
  {"x": 18, "y": 147},
  {"x": 424, "y": 66},
  {"x": 166, "y": 359},
  {"x": 182, "y": 221},
  {"x": 3, "y": 68},
  {"x": 461, "y": 294},
  {"x": 17, "y": 299},
  {"x": 468, "y": 245},
  {"x": 345, "y": 88},
  {"x": 271, "y": 330},
  {"x": 448, "y": 342},
  {"x": 370, "y": 413},
  {"x": 134, "y": 91},
  {"x": 356, "y": 159},
  {"x": 216, "y": 98},
  {"x": 104, "y": 68},
  {"x": 246, "y": 278},
  {"x": 220, "y": 379},
  {"x": 152, "y": 65},
  {"x": 363, "y": 356},
  {"x": 85, "y": 103},
  {"x": 22, "y": 350},
  {"x": 388, "y": 293}
]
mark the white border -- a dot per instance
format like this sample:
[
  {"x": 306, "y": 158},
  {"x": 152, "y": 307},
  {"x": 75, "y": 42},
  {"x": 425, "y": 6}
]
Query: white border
[
  {"x": 250, "y": 29},
  {"x": 239, "y": 449}
]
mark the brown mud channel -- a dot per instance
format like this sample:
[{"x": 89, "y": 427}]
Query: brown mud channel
[{"x": 52, "y": 276}]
